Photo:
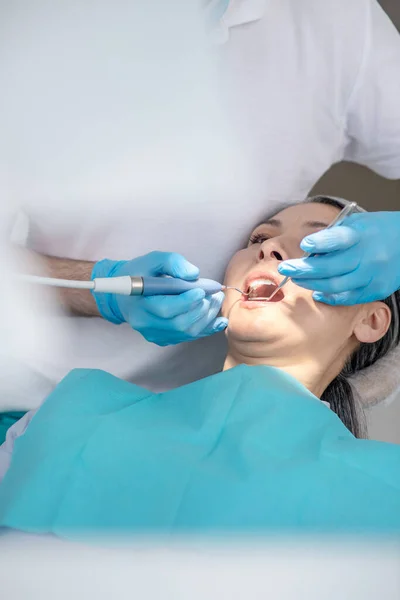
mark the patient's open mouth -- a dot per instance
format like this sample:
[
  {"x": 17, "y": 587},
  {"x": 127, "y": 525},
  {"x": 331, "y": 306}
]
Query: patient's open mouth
[{"x": 259, "y": 289}]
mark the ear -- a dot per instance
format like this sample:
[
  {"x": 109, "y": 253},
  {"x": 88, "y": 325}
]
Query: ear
[{"x": 374, "y": 322}]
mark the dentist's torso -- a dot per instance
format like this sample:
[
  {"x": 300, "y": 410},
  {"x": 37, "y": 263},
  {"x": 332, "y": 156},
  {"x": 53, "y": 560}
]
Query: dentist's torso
[{"x": 116, "y": 142}]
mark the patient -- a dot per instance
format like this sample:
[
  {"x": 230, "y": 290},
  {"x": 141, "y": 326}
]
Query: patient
[
  {"x": 252, "y": 447},
  {"x": 318, "y": 344}
]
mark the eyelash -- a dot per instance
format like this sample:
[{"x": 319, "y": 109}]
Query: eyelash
[{"x": 259, "y": 238}]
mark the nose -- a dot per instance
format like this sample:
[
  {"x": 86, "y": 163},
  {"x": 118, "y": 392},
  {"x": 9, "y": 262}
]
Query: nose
[{"x": 272, "y": 248}]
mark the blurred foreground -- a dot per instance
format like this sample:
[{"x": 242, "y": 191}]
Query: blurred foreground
[{"x": 308, "y": 569}]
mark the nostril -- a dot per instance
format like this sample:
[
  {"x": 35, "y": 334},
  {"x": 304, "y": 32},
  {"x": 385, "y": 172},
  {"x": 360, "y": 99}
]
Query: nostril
[
  {"x": 261, "y": 255},
  {"x": 277, "y": 255}
]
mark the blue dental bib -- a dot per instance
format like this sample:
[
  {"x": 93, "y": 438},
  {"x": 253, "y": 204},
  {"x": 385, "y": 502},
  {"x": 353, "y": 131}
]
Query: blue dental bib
[{"x": 246, "y": 450}]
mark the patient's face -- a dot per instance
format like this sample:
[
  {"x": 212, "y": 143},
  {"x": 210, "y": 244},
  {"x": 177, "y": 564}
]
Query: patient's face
[{"x": 293, "y": 320}]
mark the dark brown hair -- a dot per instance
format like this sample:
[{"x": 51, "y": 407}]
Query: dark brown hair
[{"x": 339, "y": 393}]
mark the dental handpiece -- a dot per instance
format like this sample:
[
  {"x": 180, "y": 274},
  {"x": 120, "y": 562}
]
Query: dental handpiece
[
  {"x": 131, "y": 285},
  {"x": 348, "y": 209},
  {"x": 157, "y": 286},
  {"x": 164, "y": 286}
]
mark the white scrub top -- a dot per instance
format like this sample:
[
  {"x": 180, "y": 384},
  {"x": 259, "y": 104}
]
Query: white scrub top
[{"x": 289, "y": 88}]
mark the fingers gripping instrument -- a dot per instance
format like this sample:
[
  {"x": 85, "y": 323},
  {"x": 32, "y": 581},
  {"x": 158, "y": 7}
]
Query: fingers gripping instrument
[{"x": 347, "y": 210}]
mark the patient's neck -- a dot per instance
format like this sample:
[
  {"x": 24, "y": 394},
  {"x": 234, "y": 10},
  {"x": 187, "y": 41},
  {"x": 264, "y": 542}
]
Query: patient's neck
[{"x": 314, "y": 373}]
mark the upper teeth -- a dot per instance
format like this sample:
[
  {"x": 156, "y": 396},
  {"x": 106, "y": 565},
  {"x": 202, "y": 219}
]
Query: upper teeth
[{"x": 257, "y": 282}]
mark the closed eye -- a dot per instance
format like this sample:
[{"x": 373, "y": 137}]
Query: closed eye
[{"x": 259, "y": 238}]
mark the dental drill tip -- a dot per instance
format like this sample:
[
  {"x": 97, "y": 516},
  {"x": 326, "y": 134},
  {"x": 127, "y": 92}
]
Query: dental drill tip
[{"x": 229, "y": 287}]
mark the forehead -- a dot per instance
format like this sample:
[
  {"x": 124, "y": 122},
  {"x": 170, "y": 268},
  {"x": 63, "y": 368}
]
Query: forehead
[{"x": 306, "y": 212}]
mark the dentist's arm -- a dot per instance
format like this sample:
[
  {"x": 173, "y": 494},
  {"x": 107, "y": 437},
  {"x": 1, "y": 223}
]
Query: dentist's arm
[
  {"x": 77, "y": 302},
  {"x": 163, "y": 320},
  {"x": 359, "y": 261}
]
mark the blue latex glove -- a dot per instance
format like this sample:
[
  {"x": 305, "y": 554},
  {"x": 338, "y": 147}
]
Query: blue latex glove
[
  {"x": 360, "y": 262},
  {"x": 163, "y": 320}
]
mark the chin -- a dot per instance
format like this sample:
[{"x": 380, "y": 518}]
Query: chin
[{"x": 245, "y": 326}]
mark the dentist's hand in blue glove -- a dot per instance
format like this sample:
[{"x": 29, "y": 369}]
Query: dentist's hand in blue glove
[
  {"x": 163, "y": 320},
  {"x": 359, "y": 261}
]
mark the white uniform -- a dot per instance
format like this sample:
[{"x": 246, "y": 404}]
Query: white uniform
[{"x": 302, "y": 84}]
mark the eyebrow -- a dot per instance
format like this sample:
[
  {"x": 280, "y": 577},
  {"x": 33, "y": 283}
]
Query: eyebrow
[{"x": 311, "y": 224}]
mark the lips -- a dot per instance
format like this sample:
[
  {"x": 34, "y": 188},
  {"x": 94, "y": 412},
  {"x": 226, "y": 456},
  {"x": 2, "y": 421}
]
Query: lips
[{"x": 259, "y": 286}]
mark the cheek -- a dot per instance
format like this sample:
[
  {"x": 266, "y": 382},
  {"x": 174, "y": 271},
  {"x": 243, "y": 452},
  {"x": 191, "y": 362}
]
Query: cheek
[
  {"x": 231, "y": 297},
  {"x": 331, "y": 322},
  {"x": 237, "y": 268},
  {"x": 235, "y": 275}
]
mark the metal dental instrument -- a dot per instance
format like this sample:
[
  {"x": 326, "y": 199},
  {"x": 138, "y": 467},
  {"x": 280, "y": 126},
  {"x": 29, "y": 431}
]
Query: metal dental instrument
[
  {"x": 336, "y": 221},
  {"x": 229, "y": 287}
]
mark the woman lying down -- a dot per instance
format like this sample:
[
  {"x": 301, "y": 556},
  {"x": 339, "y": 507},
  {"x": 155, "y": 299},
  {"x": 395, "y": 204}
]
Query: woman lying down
[{"x": 270, "y": 443}]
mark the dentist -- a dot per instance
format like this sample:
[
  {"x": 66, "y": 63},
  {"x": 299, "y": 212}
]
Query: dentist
[{"x": 304, "y": 84}]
